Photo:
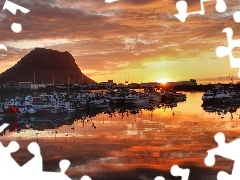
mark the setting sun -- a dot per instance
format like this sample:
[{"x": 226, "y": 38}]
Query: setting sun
[{"x": 163, "y": 81}]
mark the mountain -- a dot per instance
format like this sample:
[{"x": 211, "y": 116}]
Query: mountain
[{"x": 47, "y": 66}]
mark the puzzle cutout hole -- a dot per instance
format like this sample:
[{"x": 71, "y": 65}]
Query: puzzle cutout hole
[{"x": 22, "y": 156}]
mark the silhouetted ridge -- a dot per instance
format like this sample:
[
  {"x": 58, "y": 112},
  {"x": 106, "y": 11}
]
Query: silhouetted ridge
[{"x": 49, "y": 65}]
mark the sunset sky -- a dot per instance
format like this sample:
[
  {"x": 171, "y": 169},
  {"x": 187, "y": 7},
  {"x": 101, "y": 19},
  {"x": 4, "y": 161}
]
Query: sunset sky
[{"x": 134, "y": 40}]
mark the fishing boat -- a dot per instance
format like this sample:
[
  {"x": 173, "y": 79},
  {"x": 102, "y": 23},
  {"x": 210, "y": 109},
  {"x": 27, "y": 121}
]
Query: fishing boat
[
  {"x": 208, "y": 97},
  {"x": 74, "y": 102},
  {"x": 48, "y": 103},
  {"x": 137, "y": 98},
  {"x": 221, "y": 97},
  {"x": 23, "y": 106},
  {"x": 153, "y": 94},
  {"x": 118, "y": 98},
  {"x": 172, "y": 94},
  {"x": 8, "y": 111},
  {"x": 99, "y": 103}
]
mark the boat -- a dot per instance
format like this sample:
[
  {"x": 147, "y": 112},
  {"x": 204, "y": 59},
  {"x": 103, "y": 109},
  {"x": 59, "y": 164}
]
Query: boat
[
  {"x": 172, "y": 94},
  {"x": 221, "y": 96},
  {"x": 136, "y": 98},
  {"x": 74, "y": 102},
  {"x": 99, "y": 103},
  {"x": 48, "y": 103},
  {"x": 153, "y": 94},
  {"x": 23, "y": 106},
  {"x": 118, "y": 98},
  {"x": 8, "y": 111},
  {"x": 208, "y": 97}
]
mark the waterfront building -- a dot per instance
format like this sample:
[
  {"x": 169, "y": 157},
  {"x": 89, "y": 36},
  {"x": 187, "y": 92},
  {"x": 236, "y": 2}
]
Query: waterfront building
[
  {"x": 22, "y": 85},
  {"x": 105, "y": 84},
  {"x": 150, "y": 84},
  {"x": 11, "y": 85},
  {"x": 181, "y": 83}
]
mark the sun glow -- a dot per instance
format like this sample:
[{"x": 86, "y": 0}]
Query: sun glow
[{"x": 163, "y": 81}]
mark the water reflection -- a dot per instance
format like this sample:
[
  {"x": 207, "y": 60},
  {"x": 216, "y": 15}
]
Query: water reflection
[
  {"x": 220, "y": 109},
  {"x": 42, "y": 122},
  {"x": 144, "y": 141}
]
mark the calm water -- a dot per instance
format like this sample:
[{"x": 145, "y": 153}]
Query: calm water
[{"x": 129, "y": 145}]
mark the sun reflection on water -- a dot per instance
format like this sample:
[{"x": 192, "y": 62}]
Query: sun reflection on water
[{"x": 153, "y": 140}]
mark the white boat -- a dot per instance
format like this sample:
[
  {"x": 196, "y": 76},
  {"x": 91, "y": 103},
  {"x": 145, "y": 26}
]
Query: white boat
[
  {"x": 23, "y": 106},
  {"x": 153, "y": 94},
  {"x": 73, "y": 101},
  {"x": 118, "y": 98},
  {"x": 222, "y": 96},
  {"x": 48, "y": 103},
  {"x": 99, "y": 103},
  {"x": 234, "y": 94},
  {"x": 208, "y": 97},
  {"x": 171, "y": 94},
  {"x": 137, "y": 98}
]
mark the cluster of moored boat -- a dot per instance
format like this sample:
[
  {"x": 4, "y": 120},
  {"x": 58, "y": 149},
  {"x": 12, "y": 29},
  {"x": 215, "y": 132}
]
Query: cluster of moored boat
[
  {"x": 69, "y": 102},
  {"x": 220, "y": 94}
]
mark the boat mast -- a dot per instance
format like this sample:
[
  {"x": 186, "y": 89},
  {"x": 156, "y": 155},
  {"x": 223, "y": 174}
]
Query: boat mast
[
  {"x": 53, "y": 84},
  {"x": 68, "y": 83},
  {"x": 34, "y": 77},
  {"x": 53, "y": 79}
]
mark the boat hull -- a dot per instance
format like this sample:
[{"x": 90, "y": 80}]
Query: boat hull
[
  {"x": 92, "y": 105},
  {"x": 137, "y": 101},
  {"x": 118, "y": 100}
]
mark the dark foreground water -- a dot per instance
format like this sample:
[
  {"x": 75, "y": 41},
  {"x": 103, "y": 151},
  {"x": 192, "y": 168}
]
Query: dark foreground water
[{"x": 127, "y": 144}]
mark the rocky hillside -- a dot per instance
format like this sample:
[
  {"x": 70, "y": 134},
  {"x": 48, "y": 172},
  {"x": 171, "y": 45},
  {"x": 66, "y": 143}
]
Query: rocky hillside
[{"x": 47, "y": 66}]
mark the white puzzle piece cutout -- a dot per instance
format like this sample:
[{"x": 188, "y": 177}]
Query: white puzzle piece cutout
[
  {"x": 111, "y": 1},
  {"x": 221, "y": 6},
  {"x": 10, "y": 169},
  {"x": 36, "y": 161},
  {"x": 227, "y": 150},
  {"x": 12, "y": 7},
  {"x": 177, "y": 171},
  {"x": 222, "y": 51},
  {"x": 159, "y": 178},
  {"x": 236, "y": 16},
  {"x": 182, "y": 6},
  {"x": 2, "y": 46}
]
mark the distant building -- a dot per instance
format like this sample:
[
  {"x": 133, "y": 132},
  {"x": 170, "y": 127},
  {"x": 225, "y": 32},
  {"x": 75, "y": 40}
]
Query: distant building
[
  {"x": 11, "y": 85},
  {"x": 36, "y": 86},
  {"x": 150, "y": 84},
  {"x": 110, "y": 82},
  {"x": 22, "y": 85},
  {"x": 180, "y": 83},
  {"x": 105, "y": 84},
  {"x": 134, "y": 85}
]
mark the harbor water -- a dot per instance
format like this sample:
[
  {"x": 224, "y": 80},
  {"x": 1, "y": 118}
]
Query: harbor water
[{"x": 129, "y": 142}]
